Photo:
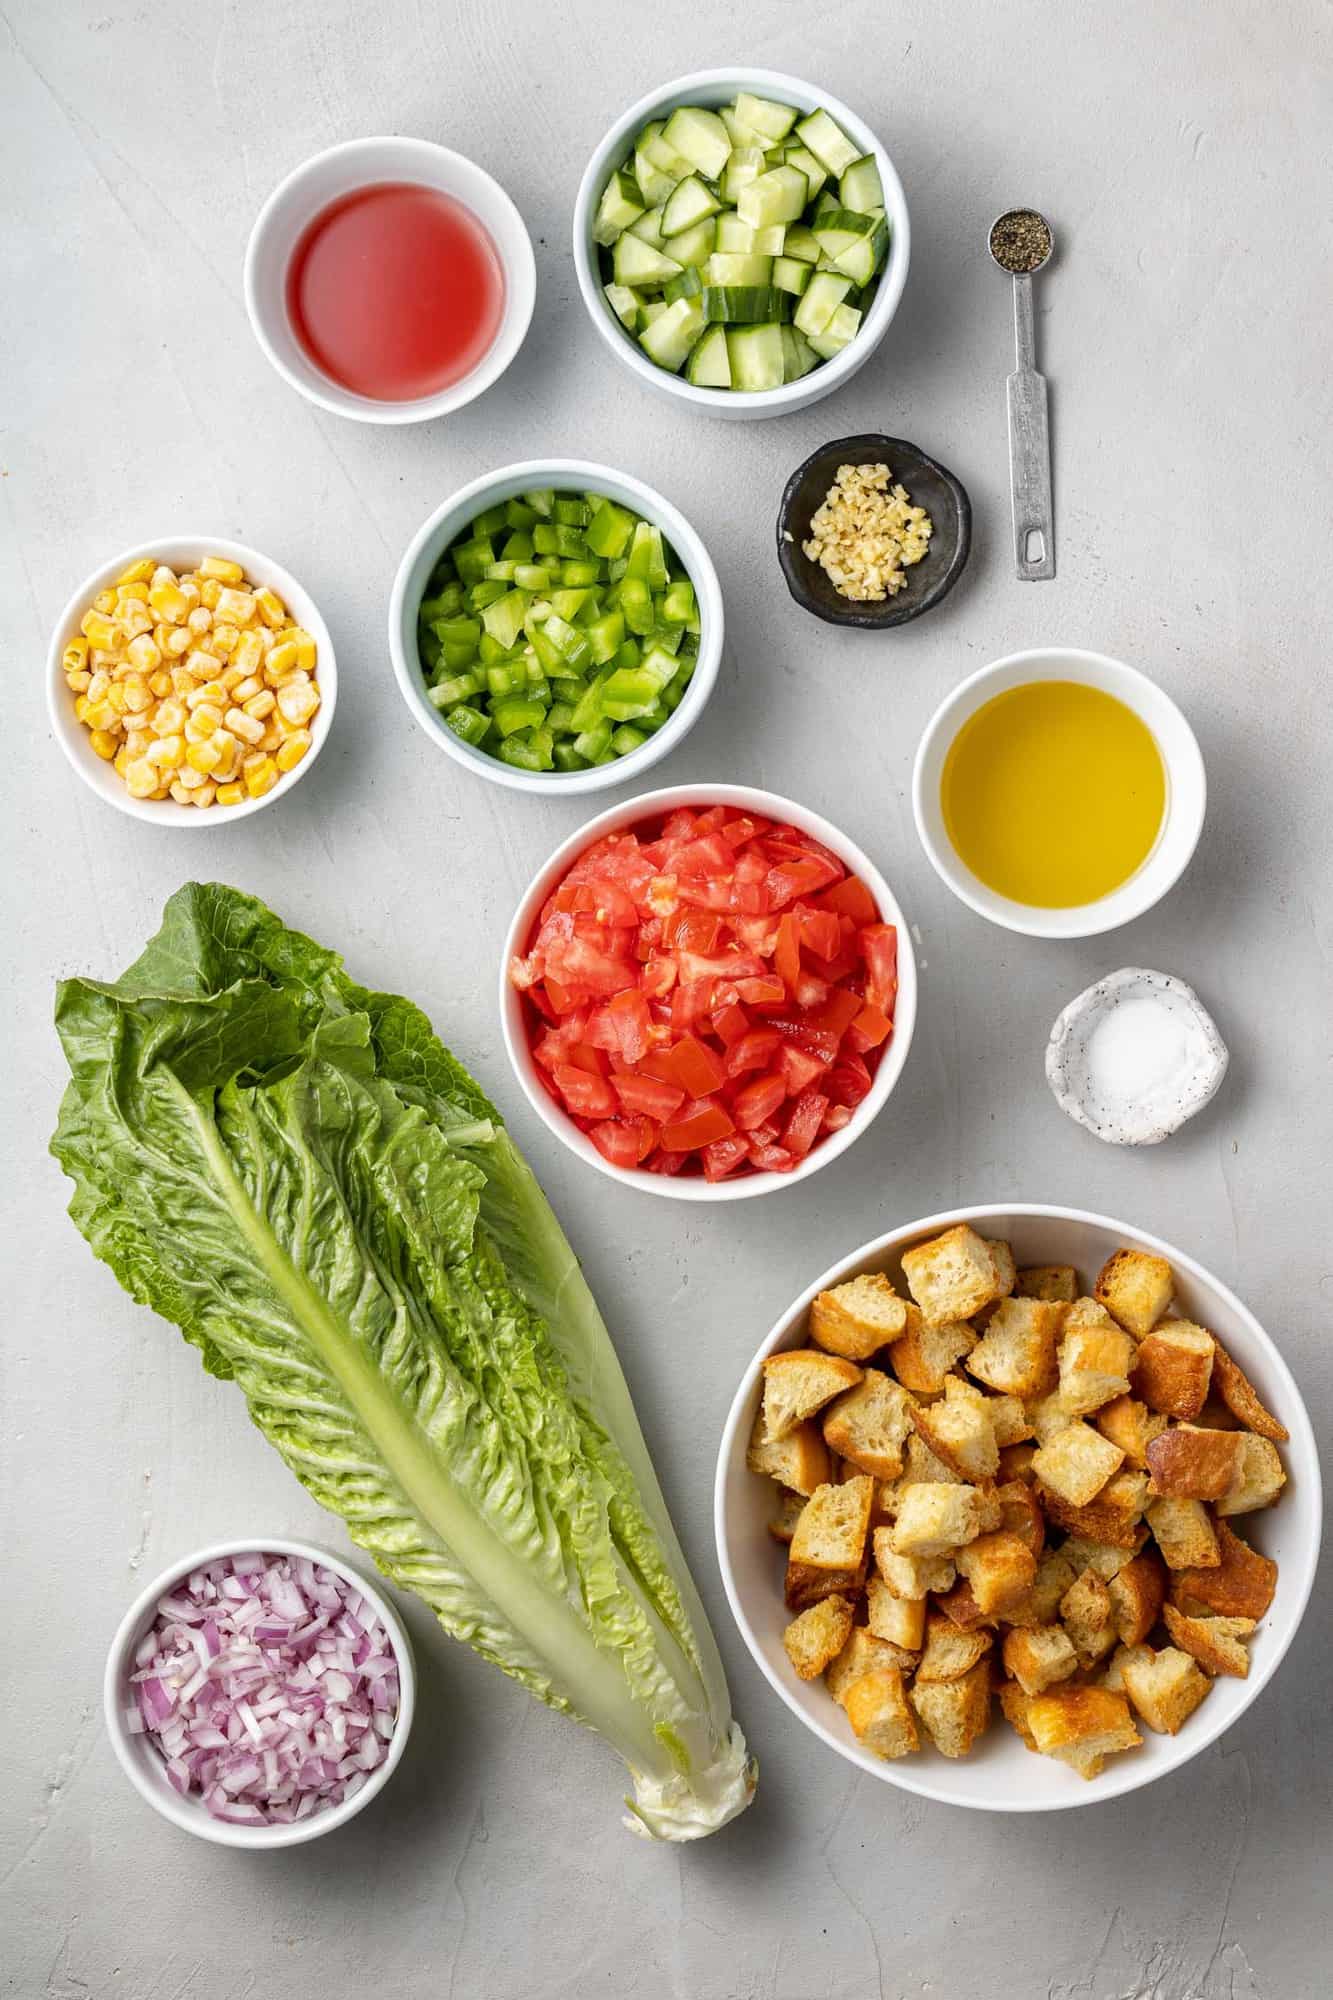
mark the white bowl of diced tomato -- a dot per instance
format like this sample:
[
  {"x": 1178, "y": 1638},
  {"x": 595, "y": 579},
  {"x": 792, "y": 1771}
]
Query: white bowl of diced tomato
[{"x": 708, "y": 992}]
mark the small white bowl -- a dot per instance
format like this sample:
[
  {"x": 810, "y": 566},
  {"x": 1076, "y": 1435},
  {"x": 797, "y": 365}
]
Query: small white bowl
[
  {"x": 182, "y": 552},
  {"x": 713, "y": 87},
  {"x": 433, "y": 538},
  {"x": 1001, "y": 1775},
  {"x": 651, "y": 805},
  {"x": 1182, "y": 817},
  {"x": 143, "y": 1765},
  {"x": 360, "y": 163}
]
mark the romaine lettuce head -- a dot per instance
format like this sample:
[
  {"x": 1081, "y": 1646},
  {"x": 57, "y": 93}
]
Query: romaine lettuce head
[{"x": 299, "y": 1174}]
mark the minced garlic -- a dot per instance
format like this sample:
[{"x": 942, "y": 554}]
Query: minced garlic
[{"x": 866, "y": 534}]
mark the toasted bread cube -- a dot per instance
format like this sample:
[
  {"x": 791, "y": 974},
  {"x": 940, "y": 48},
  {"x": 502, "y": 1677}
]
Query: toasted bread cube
[
  {"x": 868, "y": 1424},
  {"x": 818, "y": 1635},
  {"x": 828, "y": 1550},
  {"x": 1048, "y": 1416},
  {"x": 1258, "y": 1478},
  {"x": 952, "y": 1276},
  {"x": 1057, "y": 1284},
  {"x": 1041, "y": 1606},
  {"x": 911, "y": 1577},
  {"x": 799, "y": 1461},
  {"x": 1136, "y": 1288},
  {"x": 1081, "y": 1726},
  {"x": 1165, "y": 1688},
  {"x": 921, "y": 1468},
  {"x": 1017, "y": 1352},
  {"x": 1001, "y": 1570},
  {"x": 1016, "y": 1463},
  {"x": 800, "y": 1381},
  {"x": 1009, "y": 1420},
  {"x": 1107, "y": 1559},
  {"x": 1174, "y": 1368},
  {"x": 959, "y": 1431},
  {"x": 1216, "y": 1643},
  {"x": 1002, "y": 1255},
  {"x": 1184, "y": 1532},
  {"x": 1115, "y": 1515},
  {"x": 1090, "y": 1315},
  {"x": 1132, "y": 1425},
  {"x": 1094, "y": 1366},
  {"x": 934, "y": 1520},
  {"x": 783, "y": 1524},
  {"x": 857, "y": 1318},
  {"x": 960, "y": 1607},
  {"x": 922, "y": 1356},
  {"x": 1242, "y": 1399},
  {"x": 1039, "y": 1657},
  {"x": 1240, "y": 1586},
  {"x": 1015, "y": 1700},
  {"x": 1021, "y": 1515},
  {"x": 1076, "y": 1463},
  {"x": 1137, "y": 1593},
  {"x": 1087, "y": 1616},
  {"x": 863, "y": 1654},
  {"x": 954, "y": 1713},
  {"x": 1113, "y": 1674},
  {"x": 950, "y": 1652},
  {"x": 877, "y": 1709},
  {"x": 899, "y": 1620},
  {"x": 1195, "y": 1464}
]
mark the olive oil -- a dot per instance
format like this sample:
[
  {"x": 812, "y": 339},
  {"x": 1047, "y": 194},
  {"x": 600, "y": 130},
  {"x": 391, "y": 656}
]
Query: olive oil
[{"x": 1053, "y": 793}]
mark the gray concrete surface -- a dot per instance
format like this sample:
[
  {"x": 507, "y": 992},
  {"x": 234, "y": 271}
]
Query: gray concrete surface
[{"x": 1180, "y": 154}]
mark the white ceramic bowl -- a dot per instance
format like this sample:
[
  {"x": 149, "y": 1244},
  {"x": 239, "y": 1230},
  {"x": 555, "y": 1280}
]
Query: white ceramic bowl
[
  {"x": 359, "y": 163},
  {"x": 184, "y": 552},
  {"x": 434, "y": 536},
  {"x": 1001, "y": 1775},
  {"x": 713, "y": 87},
  {"x": 1182, "y": 819},
  {"x": 513, "y": 1021},
  {"x": 143, "y": 1765}
]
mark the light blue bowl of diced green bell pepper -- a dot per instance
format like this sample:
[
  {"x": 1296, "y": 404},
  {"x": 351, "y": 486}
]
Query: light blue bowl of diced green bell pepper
[
  {"x": 428, "y": 685},
  {"x": 818, "y": 376}
]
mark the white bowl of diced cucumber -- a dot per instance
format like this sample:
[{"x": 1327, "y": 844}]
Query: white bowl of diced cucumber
[
  {"x": 574, "y": 633},
  {"x": 741, "y": 241}
]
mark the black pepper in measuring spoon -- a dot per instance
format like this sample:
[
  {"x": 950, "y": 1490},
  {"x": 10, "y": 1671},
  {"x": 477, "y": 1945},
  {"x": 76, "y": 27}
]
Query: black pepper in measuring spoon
[
  {"x": 1020, "y": 243},
  {"x": 1021, "y": 240}
]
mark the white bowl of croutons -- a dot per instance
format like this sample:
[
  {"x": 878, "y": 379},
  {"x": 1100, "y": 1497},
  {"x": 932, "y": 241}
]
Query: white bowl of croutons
[{"x": 1015, "y": 1480}]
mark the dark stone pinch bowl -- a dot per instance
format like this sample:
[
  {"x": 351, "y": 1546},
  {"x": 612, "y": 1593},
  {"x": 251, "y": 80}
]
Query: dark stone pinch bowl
[{"x": 929, "y": 485}]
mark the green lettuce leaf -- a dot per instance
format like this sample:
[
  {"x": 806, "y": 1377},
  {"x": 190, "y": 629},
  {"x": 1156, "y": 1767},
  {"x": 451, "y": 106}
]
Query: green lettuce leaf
[{"x": 299, "y": 1173}]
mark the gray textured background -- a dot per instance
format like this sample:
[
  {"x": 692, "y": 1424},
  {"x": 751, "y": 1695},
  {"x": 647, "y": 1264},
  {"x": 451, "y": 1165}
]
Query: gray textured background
[{"x": 1183, "y": 168}]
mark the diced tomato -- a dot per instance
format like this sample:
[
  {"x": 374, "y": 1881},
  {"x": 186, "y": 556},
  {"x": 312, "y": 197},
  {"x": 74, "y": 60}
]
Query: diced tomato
[
  {"x": 691, "y": 930},
  {"x": 771, "y": 1159},
  {"x": 879, "y": 944},
  {"x": 658, "y": 978},
  {"x": 690, "y": 1005},
  {"x": 678, "y": 825},
  {"x": 757, "y": 1050},
  {"x": 837, "y": 1012},
  {"x": 704, "y": 855},
  {"x": 586, "y": 969},
  {"x": 723, "y": 1155},
  {"x": 730, "y": 1022},
  {"x": 837, "y": 1116},
  {"x": 698, "y": 1070},
  {"x": 632, "y": 1024},
  {"x": 803, "y": 1124},
  {"x": 850, "y": 898},
  {"x": 562, "y": 998},
  {"x": 734, "y": 965},
  {"x": 586, "y": 1056},
  {"x": 871, "y": 1027},
  {"x": 738, "y": 832},
  {"x": 801, "y": 877},
  {"x": 754, "y": 1102},
  {"x": 616, "y": 1142},
  {"x": 849, "y": 1081},
  {"x": 587, "y": 1095},
  {"x": 810, "y": 993},
  {"x": 700, "y": 1128},
  {"x": 766, "y": 992},
  {"x": 799, "y": 1069},
  {"x": 820, "y": 931},
  {"x": 606, "y": 901},
  {"x": 648, "y": 1096},
  {"x": 648, "y": 1133},
  {"x": 787, "y": 952}
]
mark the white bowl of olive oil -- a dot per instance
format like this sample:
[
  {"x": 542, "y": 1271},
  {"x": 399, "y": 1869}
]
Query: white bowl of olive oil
[{"x": 1058, "y": 792}]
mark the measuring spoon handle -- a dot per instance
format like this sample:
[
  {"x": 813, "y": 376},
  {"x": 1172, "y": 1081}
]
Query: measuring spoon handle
[{"x": 1030, "y": 449}]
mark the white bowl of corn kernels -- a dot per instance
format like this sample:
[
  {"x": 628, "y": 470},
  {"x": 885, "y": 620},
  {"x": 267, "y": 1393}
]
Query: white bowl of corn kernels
[{"x": 191, "y": 680}]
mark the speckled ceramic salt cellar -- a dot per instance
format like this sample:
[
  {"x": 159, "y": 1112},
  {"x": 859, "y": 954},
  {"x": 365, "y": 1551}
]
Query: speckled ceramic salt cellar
[{"x": 1135, "y": 1056}]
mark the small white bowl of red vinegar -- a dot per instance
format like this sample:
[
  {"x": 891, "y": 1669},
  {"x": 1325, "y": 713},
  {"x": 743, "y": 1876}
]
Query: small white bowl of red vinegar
[{"x": 389, "y": 280}]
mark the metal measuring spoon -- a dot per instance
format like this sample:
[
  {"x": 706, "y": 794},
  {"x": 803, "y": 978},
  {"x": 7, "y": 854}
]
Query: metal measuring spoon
[{"x": 1021, "y": 242}]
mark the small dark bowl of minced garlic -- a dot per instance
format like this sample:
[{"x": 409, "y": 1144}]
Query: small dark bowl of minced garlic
[{"x": 872, "y": 532}]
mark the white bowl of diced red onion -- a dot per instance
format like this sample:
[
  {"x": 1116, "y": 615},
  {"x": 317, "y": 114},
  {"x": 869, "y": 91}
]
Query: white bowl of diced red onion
[{"x": 260, "y": 1693}]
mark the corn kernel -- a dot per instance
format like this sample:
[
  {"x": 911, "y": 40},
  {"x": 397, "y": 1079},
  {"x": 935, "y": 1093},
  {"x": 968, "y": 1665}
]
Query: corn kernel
[
  {"x": 104, "y": 744},
  {"x": 115, "y": 697},
  {"x": 132, "y": 593},
  {"x": 203, "y": 721},
  {"x": 138, "y": 572},
  {"x": 170, "y": 603},
  {"x": 101, "y": 715},
  {"x": 75, "y": 656},
  {"x": 166, "y": 752},
  {"x": 252, "y": 761},
  {"x": 81, "y": 708},
  {"x": 98, "y": 629},
  {"x": 223, "y": 638},
  {"x": 243, "y": 725},
  {"x": 223, "y": 568},
  {"x": 244, "y": 690},
  {"x": 271, "y": 607},
  {"x": 137, "y": 740},
  {"x": 262, "y": 779},
  {"x": 189, "y": 777},
  {"x": 293, "y": 750},
  {"x": 203, "y": 757},
  {"x": 200, "y": 620},
  {"x": 273, "y": 737},
  {"x": 297, "y": 699},
  {"x": 120, "y": 761},
  {"x": 137, "y": 696},
  {"x": 235, "y": 607},
  {"x": 203, "y": 795},
  {"x": 267, "y": 640},
  {"x": 259, "y": 705},
  {"x": 207, "y": 694},
  {"x": 248, "y": 652},
  {"x": 105, "y": 602},
  {"x": 140, "y": 779},
  {"x": 134, "y": 618},
  {"x": 189, "y": 590},
  {"x": 160, "y": 683},
  {"x": 230, "y": 795},
  {"x": 77, "y": 683},
  {"x": 178, "y": 792},
  {"x": 282, "y": 660},
  {"x": 169, "y": 719},
  {"x": 231, "y": 677},
  {"x": 98, "y": 685},
  {"x": 163, "y": 574}
]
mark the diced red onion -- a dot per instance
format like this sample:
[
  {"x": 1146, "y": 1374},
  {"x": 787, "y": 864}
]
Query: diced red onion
[{"x": 269, "y": 1687}]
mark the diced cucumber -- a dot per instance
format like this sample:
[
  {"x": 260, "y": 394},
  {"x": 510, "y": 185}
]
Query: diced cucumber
[
  {"x": 820, "y": 300},
  {"x": 664, "y": 156},
  {"x": 700, "y": 137},
  {"x": 802, "y": 157},
  {"x": 860, "y": 186},
  {"x": 745, "y": 165},
  {"x": 838, "y": 228},
  {"x": 687, "y": 204},
  {"x": 800, "y": 242},
  {"x": 827, "y": 141},
  {"x": 636, "y": 263},
  {"x": 708, "y": 366},
  {"x": 790, "y": 275},
  {"x": 739, "y": 268},
  {"x": 755, "y": 355},
  {"x": 687, "y": 286},
  {"x": 770, "y": 241},
  {"x": 624, "y": 304},
  {"x": 798, "y": 357},
  {"x": 650, "y": 310},
  {"x": 648, "y": 227},
  {"x": 732, "y": 234},
  {"x": 621, "y": 204},
  {"x": 861, "y": 260},
  {"x": 671, "y": 336},
  {"x": 771, "y": 120},
  {"x": 695, "y": 246},
  {"x": 776, "y": 196},
  {"x": 741, "y": 305},
  {"x": 841, "y": 329},
  {"x": 739, "y": 135},
  {"x": 654, "y": 184}
]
